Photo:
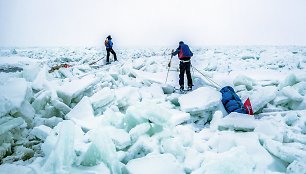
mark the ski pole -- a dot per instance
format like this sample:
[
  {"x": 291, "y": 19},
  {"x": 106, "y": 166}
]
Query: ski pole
[
  {"x": 169, "y": 64},
  {"x": 192, "y": 73}
]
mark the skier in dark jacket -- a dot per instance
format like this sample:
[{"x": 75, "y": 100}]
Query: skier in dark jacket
[
  {"x": 109, "y": 48},
  {"x": 231, "y": 101},
  {"x": 184, "y": 55}
]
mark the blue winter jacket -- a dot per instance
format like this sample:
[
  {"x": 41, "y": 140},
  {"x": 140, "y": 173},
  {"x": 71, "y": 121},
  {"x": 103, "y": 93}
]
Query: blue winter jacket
[
  {"x": 109, "y": 44},
  {"x": 231, "y": 101},
  {"x": 184, "y": 50}
]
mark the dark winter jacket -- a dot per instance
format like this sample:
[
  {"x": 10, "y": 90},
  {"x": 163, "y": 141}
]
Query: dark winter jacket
[
  {"x": 183, "y": 52},
  {"x": 231, "y": 101}
]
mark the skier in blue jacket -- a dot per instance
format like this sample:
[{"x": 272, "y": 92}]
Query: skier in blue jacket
[
  {"x": 184, "y": 55},
  {"x": 109, "y": 48}
]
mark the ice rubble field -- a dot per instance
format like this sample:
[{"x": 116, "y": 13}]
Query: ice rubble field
[{"x": 123, "y": 118}]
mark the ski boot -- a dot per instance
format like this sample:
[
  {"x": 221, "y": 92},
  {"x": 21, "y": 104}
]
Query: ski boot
[
  {"x": 189, "y": 88},
  {"x": 182, "y": 91}
]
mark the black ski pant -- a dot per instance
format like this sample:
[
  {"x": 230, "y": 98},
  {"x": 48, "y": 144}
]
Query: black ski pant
[
  {"x": 110, "y": 50},
  {"x": 185, "y": 67}
]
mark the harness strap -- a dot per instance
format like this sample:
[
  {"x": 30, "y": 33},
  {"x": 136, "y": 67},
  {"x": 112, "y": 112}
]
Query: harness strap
[{"x": 184, "y": 61}]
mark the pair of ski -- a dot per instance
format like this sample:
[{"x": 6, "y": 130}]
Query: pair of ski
[
  {"x": 100, "y": 66},
  {"x": 182, "y": 91}
]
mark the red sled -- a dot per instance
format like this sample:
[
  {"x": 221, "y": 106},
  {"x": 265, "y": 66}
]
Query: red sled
[{"x": 248, "y": 106}]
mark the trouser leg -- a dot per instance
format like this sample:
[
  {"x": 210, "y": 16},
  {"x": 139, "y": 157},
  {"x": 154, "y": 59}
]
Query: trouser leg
[
  {"x": 188, "y": 74},
  {"x": 182, "y": 72},
  {"x": 107, "y": 55},
  {"x": 115, "y": 56}
]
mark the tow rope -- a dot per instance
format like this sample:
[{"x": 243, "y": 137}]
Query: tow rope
[
  {"x": 65, "y": 65},
  {"x": 215, "y": 84}
]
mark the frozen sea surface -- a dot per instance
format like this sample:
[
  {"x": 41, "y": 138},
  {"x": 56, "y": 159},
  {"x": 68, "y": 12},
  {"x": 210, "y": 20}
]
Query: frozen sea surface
[{"x": 127, "y": 117}]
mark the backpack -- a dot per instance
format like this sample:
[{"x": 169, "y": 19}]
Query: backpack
[
  {"x": 185, "y": 51},
  {"x": 106, "y": 42},
  {"x": 231, "y": 101}
]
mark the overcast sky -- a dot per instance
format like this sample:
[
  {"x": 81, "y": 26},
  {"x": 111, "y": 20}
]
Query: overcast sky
[{"x": 147, "y": 23}]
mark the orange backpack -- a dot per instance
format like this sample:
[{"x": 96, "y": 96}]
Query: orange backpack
[{"x": 106, "y": 42}]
